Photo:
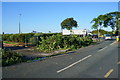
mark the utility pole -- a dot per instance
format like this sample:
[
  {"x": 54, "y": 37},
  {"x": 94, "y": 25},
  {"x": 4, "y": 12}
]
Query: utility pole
[{"x": 19, "y": 23}]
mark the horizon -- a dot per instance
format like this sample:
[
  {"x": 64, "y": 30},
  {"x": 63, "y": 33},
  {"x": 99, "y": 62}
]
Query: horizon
[{"x": 44, "y": 17}]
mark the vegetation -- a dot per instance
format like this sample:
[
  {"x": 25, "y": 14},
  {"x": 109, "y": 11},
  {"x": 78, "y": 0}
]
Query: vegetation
[
  {"x": 113, "y": 21},
  {"x": 69, "y": 23},
  {"x": 102, "y": 32},
  {"x": 106, "y": 20},
  {"x": 46, "y": 42},
  {"x": 56, "y": 42},
  {"x": 9, "y": 57},
  {"x": 17, "y": 37},
  {"x": 25, "y": 38},
  {"x": 9, "y": 42},
  {"x": 99, "y": 22}
]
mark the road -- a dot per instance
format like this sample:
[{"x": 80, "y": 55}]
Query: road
[{"x": 95, "y": 61}]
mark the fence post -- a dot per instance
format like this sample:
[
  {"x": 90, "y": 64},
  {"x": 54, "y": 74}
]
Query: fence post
[{"x": 2, "y": 45}]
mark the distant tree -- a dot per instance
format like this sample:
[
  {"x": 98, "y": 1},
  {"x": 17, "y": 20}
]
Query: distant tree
[
  {"x": 94, "y": 32},
  {"x": 102, "y": 32},
  {"x": 49, "y": 31},
  {"x": 68, "y": 23}
]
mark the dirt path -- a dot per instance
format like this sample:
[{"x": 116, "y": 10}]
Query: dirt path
[{"x": 30, "y": 52}]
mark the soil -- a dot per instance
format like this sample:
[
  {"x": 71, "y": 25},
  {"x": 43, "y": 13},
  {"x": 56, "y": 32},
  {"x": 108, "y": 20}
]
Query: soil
[
  {"x": 9, "y": 45},
  {"x": 29, "y": 51}
]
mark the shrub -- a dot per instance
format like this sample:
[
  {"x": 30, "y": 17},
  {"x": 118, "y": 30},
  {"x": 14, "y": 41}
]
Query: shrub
[
  {"x": 58, "y": 41},
  {"x": 9, "y": 57},
  {"x": 33, "y": 40},
  {"x": 50, "y": 43}
]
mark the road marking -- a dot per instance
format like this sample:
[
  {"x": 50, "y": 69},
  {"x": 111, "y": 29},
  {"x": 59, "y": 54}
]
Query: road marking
[
  {"x": 118, "y": 62},
  {"x": 74, "y": 63},
  {"x": 102, "y": 48},
  {"x": 108, "y": 73},
  {"x": 112, "y": 43}
]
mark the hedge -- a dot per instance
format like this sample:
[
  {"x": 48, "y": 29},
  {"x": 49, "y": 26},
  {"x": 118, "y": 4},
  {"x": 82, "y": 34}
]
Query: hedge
[
  {"x": 56, "y": 42},
  {"x": 28, "y": 37}
]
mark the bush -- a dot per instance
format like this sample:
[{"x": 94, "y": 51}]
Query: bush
[
  {"x": 33, "y": 40},
  {"x": 50, "y": 43},
  {"x": 9, "y": 57},
  {"x": 58, "y": 41}
]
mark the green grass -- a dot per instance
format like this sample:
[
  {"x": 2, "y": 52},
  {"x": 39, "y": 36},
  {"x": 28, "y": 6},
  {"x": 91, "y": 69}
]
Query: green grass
[{"x": 9, "y": 42}]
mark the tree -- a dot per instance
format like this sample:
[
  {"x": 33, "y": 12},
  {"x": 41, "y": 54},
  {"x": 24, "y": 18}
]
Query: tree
[
  {"x": 98, "y": 22},
  {"x": 69, "y": 23},
  {"x": 49, "y": 31},
  {"x": 106, "y": 20},
  {"x": 102, "y": 32},
  {"x": 113, "y": 21}
]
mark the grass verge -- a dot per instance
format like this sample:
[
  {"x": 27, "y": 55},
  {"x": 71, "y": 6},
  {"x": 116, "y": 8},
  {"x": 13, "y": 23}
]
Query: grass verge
[{"x": 9, "y": 42}]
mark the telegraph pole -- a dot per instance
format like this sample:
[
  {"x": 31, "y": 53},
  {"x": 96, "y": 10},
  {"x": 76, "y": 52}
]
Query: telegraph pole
[{"x": 19, "y": 23}]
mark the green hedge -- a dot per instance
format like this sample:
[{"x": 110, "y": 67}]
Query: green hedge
[
  {"x": 17, "y": 37},
  {"x": 25, "y": 37},
  {"x": 59, "y": 42}
]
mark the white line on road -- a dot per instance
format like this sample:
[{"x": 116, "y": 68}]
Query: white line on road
[
  {"x": 74, "y": 64},
  {"x": 112, "y": 43},
  {"x": 102, "y": 48}
]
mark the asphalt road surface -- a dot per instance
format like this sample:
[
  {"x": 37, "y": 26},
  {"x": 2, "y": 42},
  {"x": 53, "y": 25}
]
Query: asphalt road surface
[{"x": 95, "y": 61}]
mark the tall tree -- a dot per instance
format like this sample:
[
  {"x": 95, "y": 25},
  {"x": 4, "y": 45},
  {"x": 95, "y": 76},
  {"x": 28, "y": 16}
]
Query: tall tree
[
  {"x": 98, "y": 22},
  {"x": 68, "y": 23},
  {"x": 106, "y": 20},
  {"x": 113, "y": 21}
]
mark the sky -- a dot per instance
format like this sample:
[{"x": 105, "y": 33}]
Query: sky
[
  {"x": 60, "y": 0},
  {"x": 47, "y": 16}
]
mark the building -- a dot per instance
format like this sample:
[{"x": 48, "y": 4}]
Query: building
[{"x": 83, "y": 32}]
